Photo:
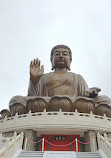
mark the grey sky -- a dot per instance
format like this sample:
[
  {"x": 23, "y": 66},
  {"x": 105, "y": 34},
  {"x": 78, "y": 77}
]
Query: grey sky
[{"x": 30, "y": 28}]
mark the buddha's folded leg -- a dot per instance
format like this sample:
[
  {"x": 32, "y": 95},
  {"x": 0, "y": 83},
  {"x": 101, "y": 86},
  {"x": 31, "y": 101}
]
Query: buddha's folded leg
[
  {"x": 103, "y": 105},
  {"x": 102, "y": 99}
]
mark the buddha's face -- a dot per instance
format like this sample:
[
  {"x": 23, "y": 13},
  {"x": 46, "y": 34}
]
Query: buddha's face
[{"x": 61, "y": 58}]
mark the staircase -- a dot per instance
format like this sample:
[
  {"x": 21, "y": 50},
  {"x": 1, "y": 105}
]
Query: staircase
[
  {"x": 31, "y": 154},
  {"x": 88, "y": 155},
  {"x": 39, "y": 154}
]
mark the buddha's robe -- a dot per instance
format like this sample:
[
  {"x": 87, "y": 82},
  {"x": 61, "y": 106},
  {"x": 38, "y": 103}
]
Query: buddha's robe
[
  {"x": 59, "y": 84},
  {"x": 51, "y": 84}
]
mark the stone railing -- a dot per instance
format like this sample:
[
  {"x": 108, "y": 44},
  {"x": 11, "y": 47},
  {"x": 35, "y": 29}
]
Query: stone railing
[
  {"x": 48, "y": 120},
  {"x": 1, "y": 142},
  {"x": 11, "y": 146},
  {"x": 104, "y": 143},
  {"x": 4, "y": 140}
]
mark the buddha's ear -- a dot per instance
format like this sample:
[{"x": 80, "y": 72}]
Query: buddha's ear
[
  {"x": 68, "y": 66},
  {"x": 53, "y": 67}
]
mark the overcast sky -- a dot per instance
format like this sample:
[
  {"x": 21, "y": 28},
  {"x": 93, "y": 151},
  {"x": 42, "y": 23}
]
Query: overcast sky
[{"x": 30, "y": 28}]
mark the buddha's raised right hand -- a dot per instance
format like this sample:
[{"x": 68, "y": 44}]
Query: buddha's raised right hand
[{"x": 36, "y": 71}]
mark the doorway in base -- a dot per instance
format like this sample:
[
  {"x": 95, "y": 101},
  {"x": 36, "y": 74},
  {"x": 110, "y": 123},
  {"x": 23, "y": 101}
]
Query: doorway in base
[{"x": 60, "y": 140}]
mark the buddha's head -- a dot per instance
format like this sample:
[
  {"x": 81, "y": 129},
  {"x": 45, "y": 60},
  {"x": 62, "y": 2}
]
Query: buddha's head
[{"x": 61, "y": 57}]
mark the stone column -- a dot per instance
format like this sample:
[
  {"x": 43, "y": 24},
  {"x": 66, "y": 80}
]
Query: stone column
[
  {"x": 31, "y": 135},
  {"x": 88, "y": 136}
]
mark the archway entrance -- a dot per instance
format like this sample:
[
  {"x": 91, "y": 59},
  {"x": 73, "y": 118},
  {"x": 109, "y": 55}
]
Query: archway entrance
[{"x": 60, "y": 140}]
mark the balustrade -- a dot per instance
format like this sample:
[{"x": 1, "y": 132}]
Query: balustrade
[
  {"x": 12, "y": 145},
  {"x": 104, "y": 143}
]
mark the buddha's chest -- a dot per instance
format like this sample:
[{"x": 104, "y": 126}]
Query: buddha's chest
[{"x": 57, "y": 79}]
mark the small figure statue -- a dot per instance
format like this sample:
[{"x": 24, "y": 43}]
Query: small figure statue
[{"x": 59, "y": 89}]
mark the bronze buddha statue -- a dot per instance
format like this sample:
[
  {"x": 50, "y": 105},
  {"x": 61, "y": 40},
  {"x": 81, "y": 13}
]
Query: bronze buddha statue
[{"x": 59, "y": 89}]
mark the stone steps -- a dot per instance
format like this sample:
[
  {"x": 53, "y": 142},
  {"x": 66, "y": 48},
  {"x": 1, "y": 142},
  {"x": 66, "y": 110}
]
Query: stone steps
[
  {"x": 31, "y": 154},
  {"x": 88, "y": 155},
  {"x": 39, "y": 154}
]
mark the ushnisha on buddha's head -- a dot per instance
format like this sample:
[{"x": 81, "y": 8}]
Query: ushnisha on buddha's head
[{"x": 61, "y": 57}]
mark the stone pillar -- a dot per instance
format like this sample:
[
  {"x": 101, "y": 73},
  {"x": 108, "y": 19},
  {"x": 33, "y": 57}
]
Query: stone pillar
[
  {"x": 88, "y": 136},
  {"x": 31, "y": 135}
]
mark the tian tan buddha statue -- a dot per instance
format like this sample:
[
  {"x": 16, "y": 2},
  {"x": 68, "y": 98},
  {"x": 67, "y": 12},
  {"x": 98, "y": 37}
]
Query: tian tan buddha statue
[{"x": 59, "y": 89}]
